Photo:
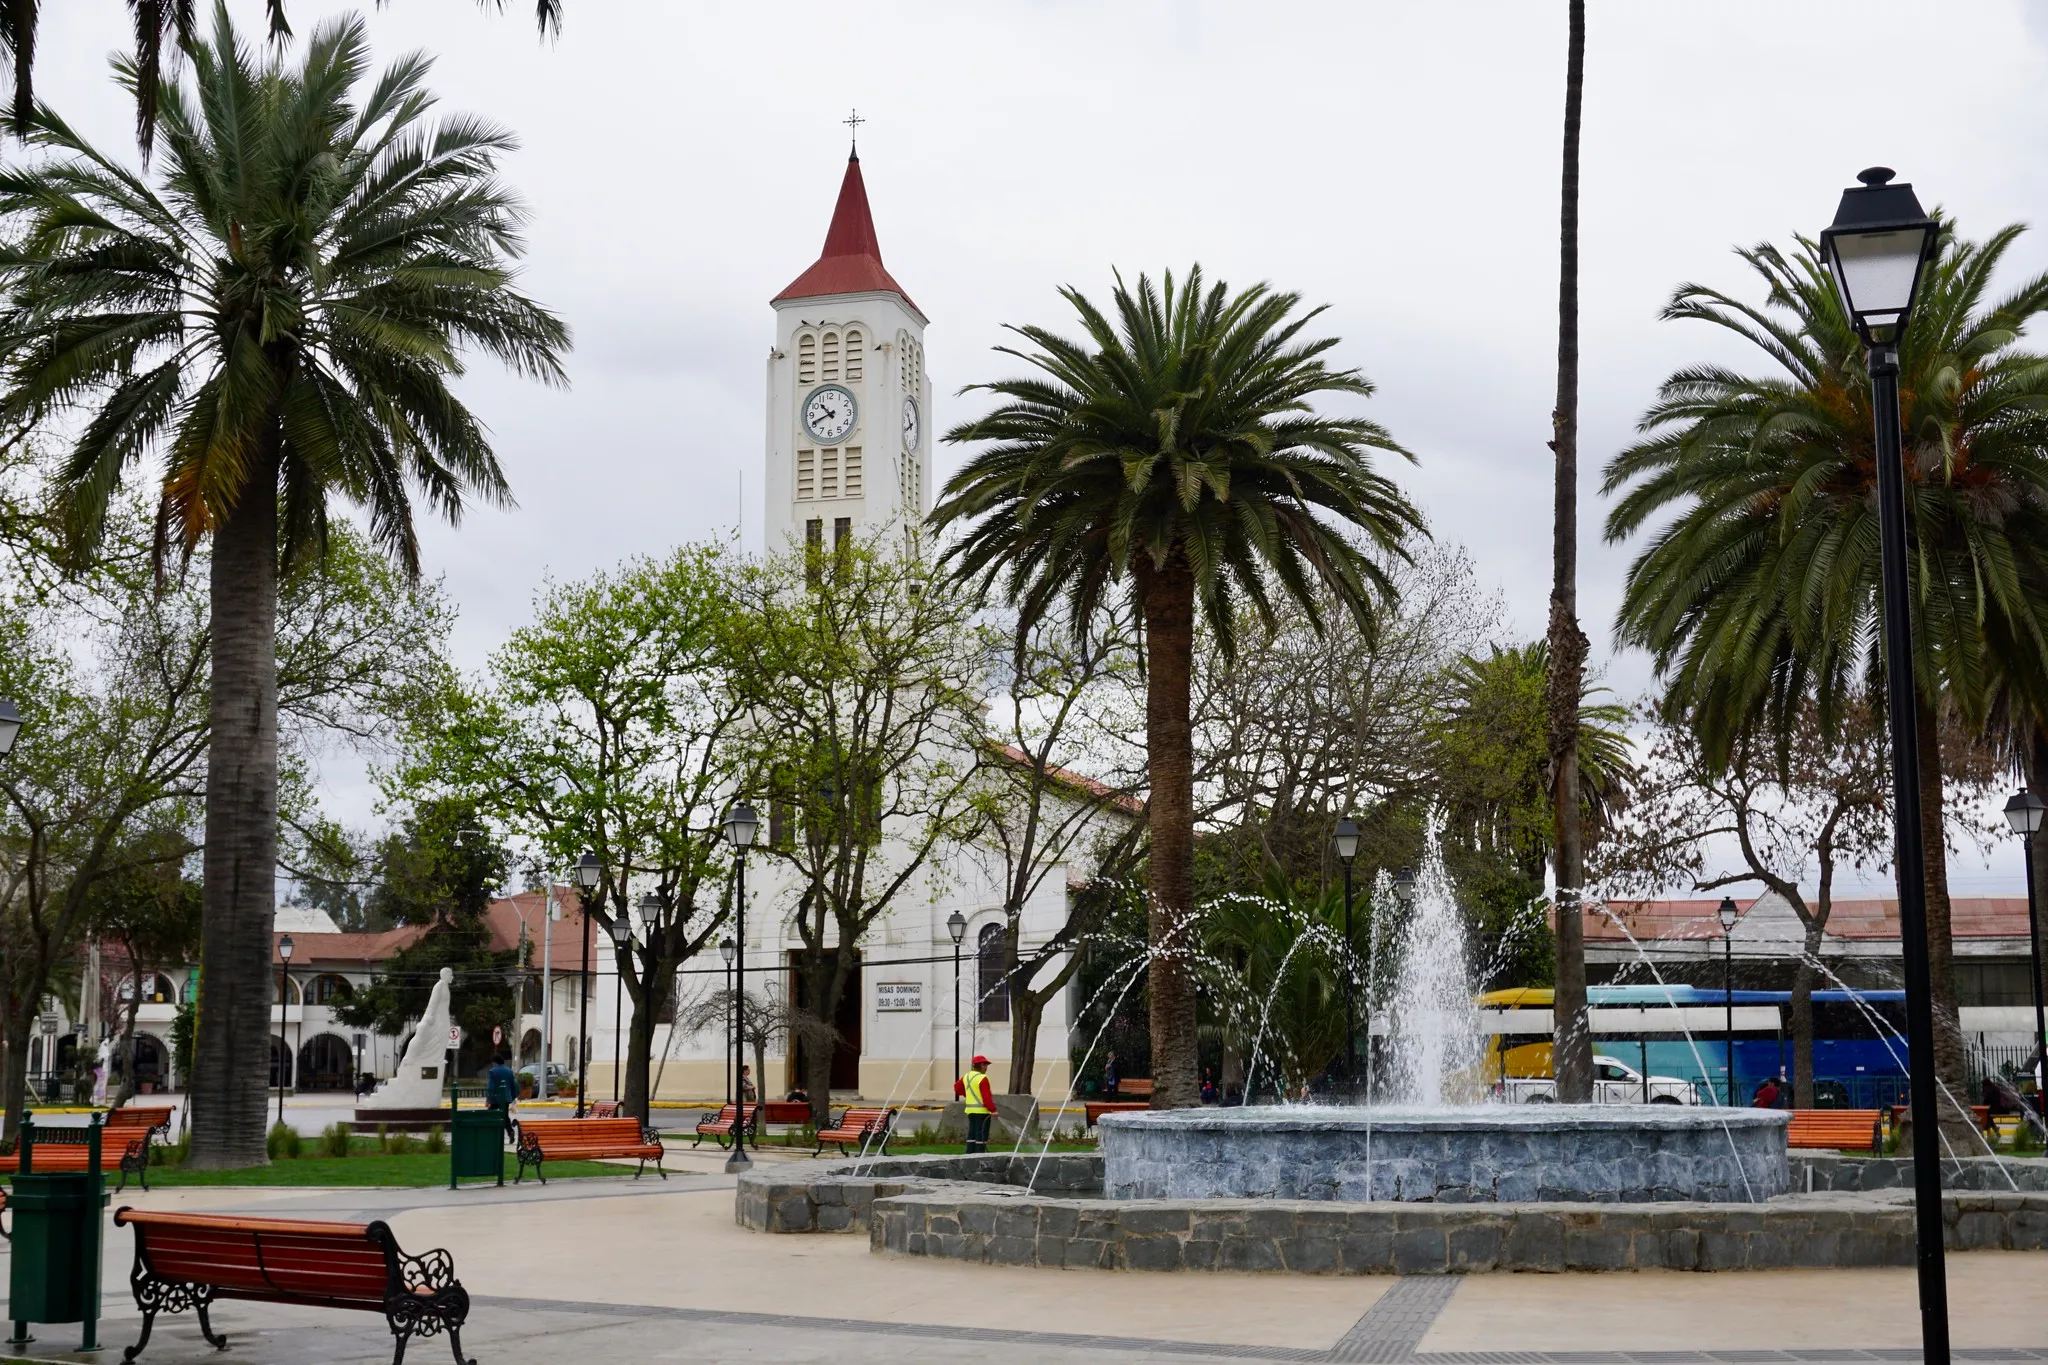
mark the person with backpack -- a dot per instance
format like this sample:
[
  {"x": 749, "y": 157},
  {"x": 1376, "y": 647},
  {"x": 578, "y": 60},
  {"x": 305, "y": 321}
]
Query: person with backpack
[{"x": 501, "y": 1088}]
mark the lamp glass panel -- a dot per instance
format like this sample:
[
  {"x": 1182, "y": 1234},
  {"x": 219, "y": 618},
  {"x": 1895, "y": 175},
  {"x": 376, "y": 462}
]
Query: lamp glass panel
[
  {"x": 2024, "y": 813},
  {"x": 10, "y": 726},
  {"x": 1875, "y": 271}
]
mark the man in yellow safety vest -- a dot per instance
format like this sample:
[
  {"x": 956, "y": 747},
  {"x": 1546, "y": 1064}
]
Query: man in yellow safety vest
[{"x": 980, "y": 1097}]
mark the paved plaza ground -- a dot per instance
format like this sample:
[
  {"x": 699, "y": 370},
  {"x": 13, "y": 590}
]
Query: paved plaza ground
[{"x": 657, "y": 1271}]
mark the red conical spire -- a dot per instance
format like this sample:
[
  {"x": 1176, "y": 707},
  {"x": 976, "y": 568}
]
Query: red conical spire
[{"x": 851, "y": 262}]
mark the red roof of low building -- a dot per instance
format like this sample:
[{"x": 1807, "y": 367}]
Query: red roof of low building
[
  {"x": 1860, "y": 918},
  {"x": 851, "y": 262}
]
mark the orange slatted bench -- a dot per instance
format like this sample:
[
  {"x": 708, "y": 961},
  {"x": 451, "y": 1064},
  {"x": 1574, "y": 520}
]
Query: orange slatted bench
[
  {"x": 1137, "y": 1087},
  {"x": 586, "y": 1140},
  {"x": 1852, "y": 1130},
  {"x": 718, "y": 1127},
  {"x": 124, "y": 1141},
  {"x": 786, "y": 1111},
  {"x": 604, "y": 1109},
  {"x": 187, "y": 1260},
  {"x": 856, "y": 1128},
  {"x": 1095, "y": 1109}
]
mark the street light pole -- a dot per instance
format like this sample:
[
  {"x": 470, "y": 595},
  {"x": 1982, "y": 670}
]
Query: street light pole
[
  {"x": 1877, "y": 249},
  {"x": 622, "y": 941},
  {"x": 956, "y": 926},
  {"x": 2024, "y": 813},
  {"x": 284, "y": 1005},
  {"x": 740, "y": 824},
  {"x": 726, "y": 950},
  {"x": 589, "y": 873},
  {"x": 1346, "y": 840},
  {"x": 1728, "y": 914}
]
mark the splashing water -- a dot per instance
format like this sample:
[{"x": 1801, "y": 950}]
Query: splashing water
[{"x": 1434, "y": 1041}]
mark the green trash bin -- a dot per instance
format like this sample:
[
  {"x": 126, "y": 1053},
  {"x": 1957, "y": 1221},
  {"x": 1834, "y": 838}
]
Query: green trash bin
[
  {"x": 476, "y": 1145},
  {"x": 58, "y": 1226}
]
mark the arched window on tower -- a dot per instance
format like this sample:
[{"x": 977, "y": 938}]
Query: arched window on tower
[
  {"x": 854, "y": 357},
  {"x": 991, "y": 989}
]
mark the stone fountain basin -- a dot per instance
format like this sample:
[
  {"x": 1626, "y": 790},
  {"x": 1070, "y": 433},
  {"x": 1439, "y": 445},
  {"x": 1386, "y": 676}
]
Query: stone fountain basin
[{"x": 1476, "y": 1154}]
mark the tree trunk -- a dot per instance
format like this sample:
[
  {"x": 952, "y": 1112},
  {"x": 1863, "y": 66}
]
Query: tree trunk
[
  {"x": 126, "y": 1090},
  {"x": 819, "y": 1039},
  {"x": 1802, "y": 1021},
  {"x": 1572, "y": 1052},
  {"x": 639, "y": 1050},
  {"x": 233, "y": 1034},
  {"x": 1027, "y": 1012},
  {"x": 1951, "y": 1062},
  {"x": 21, "y": 1026},
  {"x": 1169, "y": 603}
]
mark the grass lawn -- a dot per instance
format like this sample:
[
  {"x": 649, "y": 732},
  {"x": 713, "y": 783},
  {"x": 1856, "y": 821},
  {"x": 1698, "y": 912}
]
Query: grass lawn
[{"x": 378, "y": 1168}]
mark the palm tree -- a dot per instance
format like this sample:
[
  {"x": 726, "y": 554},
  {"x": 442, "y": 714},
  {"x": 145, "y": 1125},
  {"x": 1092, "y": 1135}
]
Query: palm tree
[
  {"x": 1762, "y": 589},
  {"x": 156, "y": 22},
  {"x": 1175, "y": 452},
  {"x": 1572, "y": 1045},
  {"x": 276, "y": 320}
]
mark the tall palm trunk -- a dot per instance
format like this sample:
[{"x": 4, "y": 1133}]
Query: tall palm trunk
[
  {"x": 2034, "y": 767},
  {"x": 1168, "y": 596},
  {"x": 1572, "y": 1054},
  {"x": 1951, "y": 1062},
  {"x": 232, "y": 1064}
]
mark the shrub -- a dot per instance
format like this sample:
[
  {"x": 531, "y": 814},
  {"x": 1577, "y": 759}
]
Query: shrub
[
  {"x": 334, "y": 1140},
  {"x": 437, "y": 1140},
  {"x": 566, "y": 1088},
  {"x": 383, "y": 1137},
  {"x": 171, "y": 1153},
  {"x": 283, "y": 1142}
]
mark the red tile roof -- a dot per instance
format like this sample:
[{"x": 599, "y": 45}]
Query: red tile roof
[
  {"x": 1970, "y": 917},
  {"x": 1123, "y": 801},
  {"x": 851, "y": 262},
  {"x": 503, "y": 918}
]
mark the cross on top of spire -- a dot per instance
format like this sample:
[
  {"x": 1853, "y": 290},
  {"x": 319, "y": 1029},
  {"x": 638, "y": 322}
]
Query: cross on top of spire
[{"x": 853, "y": 120}]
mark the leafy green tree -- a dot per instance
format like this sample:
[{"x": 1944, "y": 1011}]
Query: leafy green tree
[
  {"x": 150, "y": 910},
  {"x": 862, "y": 682},
  {"x": 610, "y": 724},
  {"x": 277, "y": 319},
  {"x": 1760, "y": 588},
  {"x": 1275, "y": 966},
  {"x": 1175, "y": 454}
]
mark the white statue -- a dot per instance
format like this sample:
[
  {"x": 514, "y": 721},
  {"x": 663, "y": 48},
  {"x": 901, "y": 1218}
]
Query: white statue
[
  {"x": 101, "y": 1066},
  {"x": 421, "y": 1082}
]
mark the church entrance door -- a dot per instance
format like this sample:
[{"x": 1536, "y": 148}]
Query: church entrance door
[{"x": 846, "y": 1020}]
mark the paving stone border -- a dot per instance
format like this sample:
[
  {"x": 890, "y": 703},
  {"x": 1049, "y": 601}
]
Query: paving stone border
[
  {"x": 835, "y": 1196},
  {"x": 1815, "y": 1172},
  {"x": 1321, "y": 1238}
]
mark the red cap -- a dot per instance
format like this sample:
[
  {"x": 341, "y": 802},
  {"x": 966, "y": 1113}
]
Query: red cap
[{"x": 980, "y": 1060}]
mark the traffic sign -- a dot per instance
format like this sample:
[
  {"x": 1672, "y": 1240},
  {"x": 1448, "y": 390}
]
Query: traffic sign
[{"x": 455, "y": 1035}]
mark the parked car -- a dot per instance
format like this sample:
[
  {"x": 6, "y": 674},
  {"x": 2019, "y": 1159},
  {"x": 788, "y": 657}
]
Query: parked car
[
  {"x": 529, "y": 1075},
  {"x": 1614, "y": 1082}
]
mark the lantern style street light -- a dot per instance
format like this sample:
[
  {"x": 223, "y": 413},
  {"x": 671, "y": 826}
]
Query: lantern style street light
[
  {"x": 589, "y": 873},
  {"x": 740, "y": 824},
  {"x": 1728, "y": 914},
  {"x": 10, "y": 726},
  {"x": 284, "y": 1005},
  {"x": 956, "y": 925},
  {"x": 1346, "y": 841},
  {"x": 2024, "y": 813},
  {"x": 1404, "y": 886},
  {"x": 1877, "y": 249},
  {"x": 726, "y": 951}
]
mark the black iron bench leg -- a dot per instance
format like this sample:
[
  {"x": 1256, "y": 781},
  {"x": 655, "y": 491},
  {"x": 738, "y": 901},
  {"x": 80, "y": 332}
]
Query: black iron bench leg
[{"x": 220, "y": 1342}]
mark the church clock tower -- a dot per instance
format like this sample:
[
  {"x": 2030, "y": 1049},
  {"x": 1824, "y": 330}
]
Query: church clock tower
[{"x": 849, "y": 404}]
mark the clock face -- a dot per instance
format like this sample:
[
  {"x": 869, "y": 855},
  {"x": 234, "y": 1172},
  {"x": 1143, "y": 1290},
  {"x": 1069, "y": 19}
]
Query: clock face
[
  {"x": 829, "y": 414},
  {"x": 910, "y": 424}
]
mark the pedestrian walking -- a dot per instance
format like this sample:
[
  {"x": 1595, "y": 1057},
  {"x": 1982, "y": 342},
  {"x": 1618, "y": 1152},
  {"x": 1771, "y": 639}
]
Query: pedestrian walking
[
  {"x": 501, "y": 1088},
  {"x": 980, "y": 1101}
]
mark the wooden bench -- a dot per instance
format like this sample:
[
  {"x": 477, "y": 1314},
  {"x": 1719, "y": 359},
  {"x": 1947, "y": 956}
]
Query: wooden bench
[
  {"x": 5, "y": 1235},
  {"x": 1852, "y": 1130},
  {"x": 856, "y": 1127},
  {"x": 586, "y": 1140},
  {"x": 718, "y": 1127},
  {"x": 1137, "y": 1087},
  {"x": 603, "y": 1109},
  {"x": 125, "y": 1140},
  {"x": 1095, "y": 1109},
  {"x": 786, "y": 1111},
  {"x": 1980, "y": 1114},
  {"x": 187, "y": 1260}
]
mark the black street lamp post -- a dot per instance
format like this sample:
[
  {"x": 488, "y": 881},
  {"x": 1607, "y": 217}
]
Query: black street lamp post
[
  {"x": 956, "y": 925},
  {"x": 2024, "y": 814},
  {"x": 726, "y": 951},
  {"x": 622, "y": 942},
  {"x": 1346, "y": 841},
  {"x": 10, "y": 726},
  {"x": 740, "y": 824},
  {"x": 589, "y": 872},
  {"x": 284, "y": 1010},
  {"x": 1729, "y": 914},
  {"x": 1877, "y": 249}
]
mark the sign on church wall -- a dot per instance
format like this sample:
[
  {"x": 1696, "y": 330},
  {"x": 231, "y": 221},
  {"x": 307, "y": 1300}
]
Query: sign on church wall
[{"x": 901, "y": 996}]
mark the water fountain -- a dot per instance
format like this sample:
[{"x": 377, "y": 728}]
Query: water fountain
[{"x": 1433, "y": 1136}]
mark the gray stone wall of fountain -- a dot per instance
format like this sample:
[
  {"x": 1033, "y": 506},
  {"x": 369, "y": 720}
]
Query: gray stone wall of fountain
[{"x": 1621, "y": 1154}]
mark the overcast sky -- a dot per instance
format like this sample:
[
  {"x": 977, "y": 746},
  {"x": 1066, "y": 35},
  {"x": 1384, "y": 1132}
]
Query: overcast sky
[{"x": 1397, "y": 162}]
